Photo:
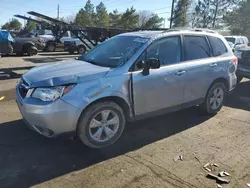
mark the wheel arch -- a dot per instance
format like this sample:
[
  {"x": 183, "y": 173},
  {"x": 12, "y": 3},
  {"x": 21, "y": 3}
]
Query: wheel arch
[
  {"x": 118, "y": 100},
  {"x": 218, "y": 80},
  {"x": 26, "y": 46}
]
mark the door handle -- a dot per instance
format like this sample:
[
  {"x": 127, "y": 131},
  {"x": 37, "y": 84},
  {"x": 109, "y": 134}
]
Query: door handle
[
  {"x": 213, "y": 64},
  {"x": 180, "y": 72}
]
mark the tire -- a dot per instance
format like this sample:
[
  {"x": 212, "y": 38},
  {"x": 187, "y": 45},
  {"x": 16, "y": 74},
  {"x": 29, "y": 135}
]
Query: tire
[
  {"x": 87, "y": 126},
  {"x": 239, "y": 78},
  {"x": 51, "y": 47},
  {"x": 81, "y": 49},
  {"x": 32, "y": 50},
  {"x": 209, "y": 106}
]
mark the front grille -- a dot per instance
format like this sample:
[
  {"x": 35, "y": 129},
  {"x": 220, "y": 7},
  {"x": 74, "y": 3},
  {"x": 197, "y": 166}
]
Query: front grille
[{"x": 23, "y": 88}]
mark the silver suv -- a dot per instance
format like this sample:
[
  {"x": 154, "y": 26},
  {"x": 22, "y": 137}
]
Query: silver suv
[{"x": 128, "y": 77}]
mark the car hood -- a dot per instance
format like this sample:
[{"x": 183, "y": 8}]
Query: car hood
[{"x": 63, "y": 72}]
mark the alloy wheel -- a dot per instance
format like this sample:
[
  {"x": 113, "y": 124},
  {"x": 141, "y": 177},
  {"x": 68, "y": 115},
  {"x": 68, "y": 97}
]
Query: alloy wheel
[{"x": 104, "y": 126}]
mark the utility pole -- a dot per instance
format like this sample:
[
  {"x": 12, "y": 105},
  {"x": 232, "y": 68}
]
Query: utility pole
[
  {"x": 58, "y": 11},
  {"x": 172, "y": 12}
]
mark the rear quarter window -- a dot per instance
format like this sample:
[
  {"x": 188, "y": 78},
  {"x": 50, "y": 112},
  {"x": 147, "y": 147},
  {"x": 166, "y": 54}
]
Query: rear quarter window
[{"x": 218, "y": 46}]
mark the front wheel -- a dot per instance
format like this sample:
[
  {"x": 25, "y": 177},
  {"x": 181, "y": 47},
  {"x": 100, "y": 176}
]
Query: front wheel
[
  {"x": 81, "y": 50},
  {"x": 215, "y": 98},
  {"x": 101, "y": 124}
]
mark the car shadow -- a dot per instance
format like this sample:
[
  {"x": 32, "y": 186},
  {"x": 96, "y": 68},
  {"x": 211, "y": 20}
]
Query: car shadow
[
  {"x": 12, "y": 73},
  {"x": 240, "y": 96},
  {"x": 27, "y": 159}
]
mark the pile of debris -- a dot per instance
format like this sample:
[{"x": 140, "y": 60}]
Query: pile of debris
[{"x": 220, "y": 177}]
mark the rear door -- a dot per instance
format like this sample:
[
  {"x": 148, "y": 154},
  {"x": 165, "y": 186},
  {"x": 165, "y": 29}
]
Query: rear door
[
  {"x": 200, "y": 64},
  {"x": 163, "y": 87}
]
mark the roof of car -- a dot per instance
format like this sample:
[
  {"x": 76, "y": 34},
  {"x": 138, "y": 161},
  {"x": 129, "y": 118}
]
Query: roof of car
[
  {"x": 158, "y": 33},
  {"x": 234, "y": 36}
]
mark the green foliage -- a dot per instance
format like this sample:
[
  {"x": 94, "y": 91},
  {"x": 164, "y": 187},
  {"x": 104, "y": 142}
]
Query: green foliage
[
  {"x": 86, "y": 16},
  {"x": 115, "y": 18},
  {"x": 30, "y": 25},
  {"x": 13, "y": 24},
  {"x": 102, "y": 16},
  {"x": 6, "y": 26},
  {"x": 180, "y": 16},
  {"x": 238, "y": 20},
  {"x": 153, "y": 22},
  {"x": 129, "y": 19}
]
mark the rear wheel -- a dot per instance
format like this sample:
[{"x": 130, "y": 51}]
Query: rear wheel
[
  {"x": 101, "y": 124},
  {"x": 215, "y": 98},
  {"x": 51, "y": 47},
  {"x": 32, "y": 50}
]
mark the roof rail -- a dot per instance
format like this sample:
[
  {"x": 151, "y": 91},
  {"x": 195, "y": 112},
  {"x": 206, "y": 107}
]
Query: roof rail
[{"x": 191, "y": 29}]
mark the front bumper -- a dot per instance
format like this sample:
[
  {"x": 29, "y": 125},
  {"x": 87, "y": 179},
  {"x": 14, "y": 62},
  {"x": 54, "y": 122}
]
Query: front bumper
[
  {"x": 48, "y": 119},
  {"x": 243, "y": 73}
]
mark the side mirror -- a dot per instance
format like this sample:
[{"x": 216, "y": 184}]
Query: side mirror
[
  {"x": 154, "y": 63},
  {"x": 151, "y": 63}
]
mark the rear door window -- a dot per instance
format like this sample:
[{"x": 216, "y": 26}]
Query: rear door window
[
  {"x": 196, "y": 47},
  {"x": 218, "y": 46}
]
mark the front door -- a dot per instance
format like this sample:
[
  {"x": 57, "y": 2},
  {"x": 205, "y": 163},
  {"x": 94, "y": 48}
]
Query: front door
[{"x": 163, "y": 87}]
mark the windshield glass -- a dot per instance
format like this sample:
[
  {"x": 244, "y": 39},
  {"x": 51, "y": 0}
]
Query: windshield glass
[
  {"x": 114, "y": 51},
  {"x": 230, "y": 39}
]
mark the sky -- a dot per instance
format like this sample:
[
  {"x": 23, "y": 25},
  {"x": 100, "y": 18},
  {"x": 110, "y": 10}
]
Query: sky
[{"x": 8, "y": 8}]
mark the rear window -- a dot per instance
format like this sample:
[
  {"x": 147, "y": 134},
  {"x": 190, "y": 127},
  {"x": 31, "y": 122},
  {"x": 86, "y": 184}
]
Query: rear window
[
  {"x": 217, "y": 45},
  {"x": 230, "y": 39},
  {"x": 196, "y": 47}
]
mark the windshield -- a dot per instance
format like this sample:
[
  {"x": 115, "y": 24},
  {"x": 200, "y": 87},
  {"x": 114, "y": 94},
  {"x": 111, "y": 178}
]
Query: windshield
[
  {"x": 230, "y": 39},
  {"x": 115, "y": 51}
]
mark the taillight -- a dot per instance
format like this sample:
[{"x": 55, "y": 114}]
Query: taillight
[
  {"x": 235, "y": 61},
  {"x": 41, "y": 41}
]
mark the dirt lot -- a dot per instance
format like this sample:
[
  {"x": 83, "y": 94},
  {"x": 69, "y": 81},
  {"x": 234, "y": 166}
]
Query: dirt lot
[{"x": 143, "y": 157}]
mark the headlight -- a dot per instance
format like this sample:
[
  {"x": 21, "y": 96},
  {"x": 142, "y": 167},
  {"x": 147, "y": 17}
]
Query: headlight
[
  {"x": 51, "y": 93},
  {"x": 238, "y": 54}
]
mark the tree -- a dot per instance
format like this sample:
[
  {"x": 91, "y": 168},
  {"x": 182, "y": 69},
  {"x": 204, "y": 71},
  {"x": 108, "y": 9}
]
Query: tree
[
  {"x": 148, "y": 20},
  {"x": 30, "y": 25},
  {"x": 102, "y": 16},
  {"x": 6, "y": 26},
  {"x": 129, "y": 19},
  {"x": 209, "y": 13},
  {"x": 13, "y": 24},
  {"x": 202, "y": 15},
  {"x": 180, "y": 16},
  {"x": 238, "y": 19},
  {"x": 85, "y": 17},
  {"x": 115, "y": 18}
]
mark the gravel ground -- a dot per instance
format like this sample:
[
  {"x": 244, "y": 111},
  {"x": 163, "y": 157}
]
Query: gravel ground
[{"x": 143, "y": 157}]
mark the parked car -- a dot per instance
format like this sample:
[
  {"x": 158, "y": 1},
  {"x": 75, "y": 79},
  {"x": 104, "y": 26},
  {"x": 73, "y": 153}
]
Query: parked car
[
  {"x": 51, "y": 44},
  {"x": 243, "y": 70},
  {"x": 237, "y": 41},
  {"x": 74, "y": 45},
  {"x": 128, "y": 77},
  {"x": 5, "y": 42},
  {"x": 27, "y": 45}
]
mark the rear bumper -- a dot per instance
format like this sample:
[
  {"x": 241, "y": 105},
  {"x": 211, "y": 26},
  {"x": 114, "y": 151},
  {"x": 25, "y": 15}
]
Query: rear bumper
[{"x": 242, "y": 73}]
